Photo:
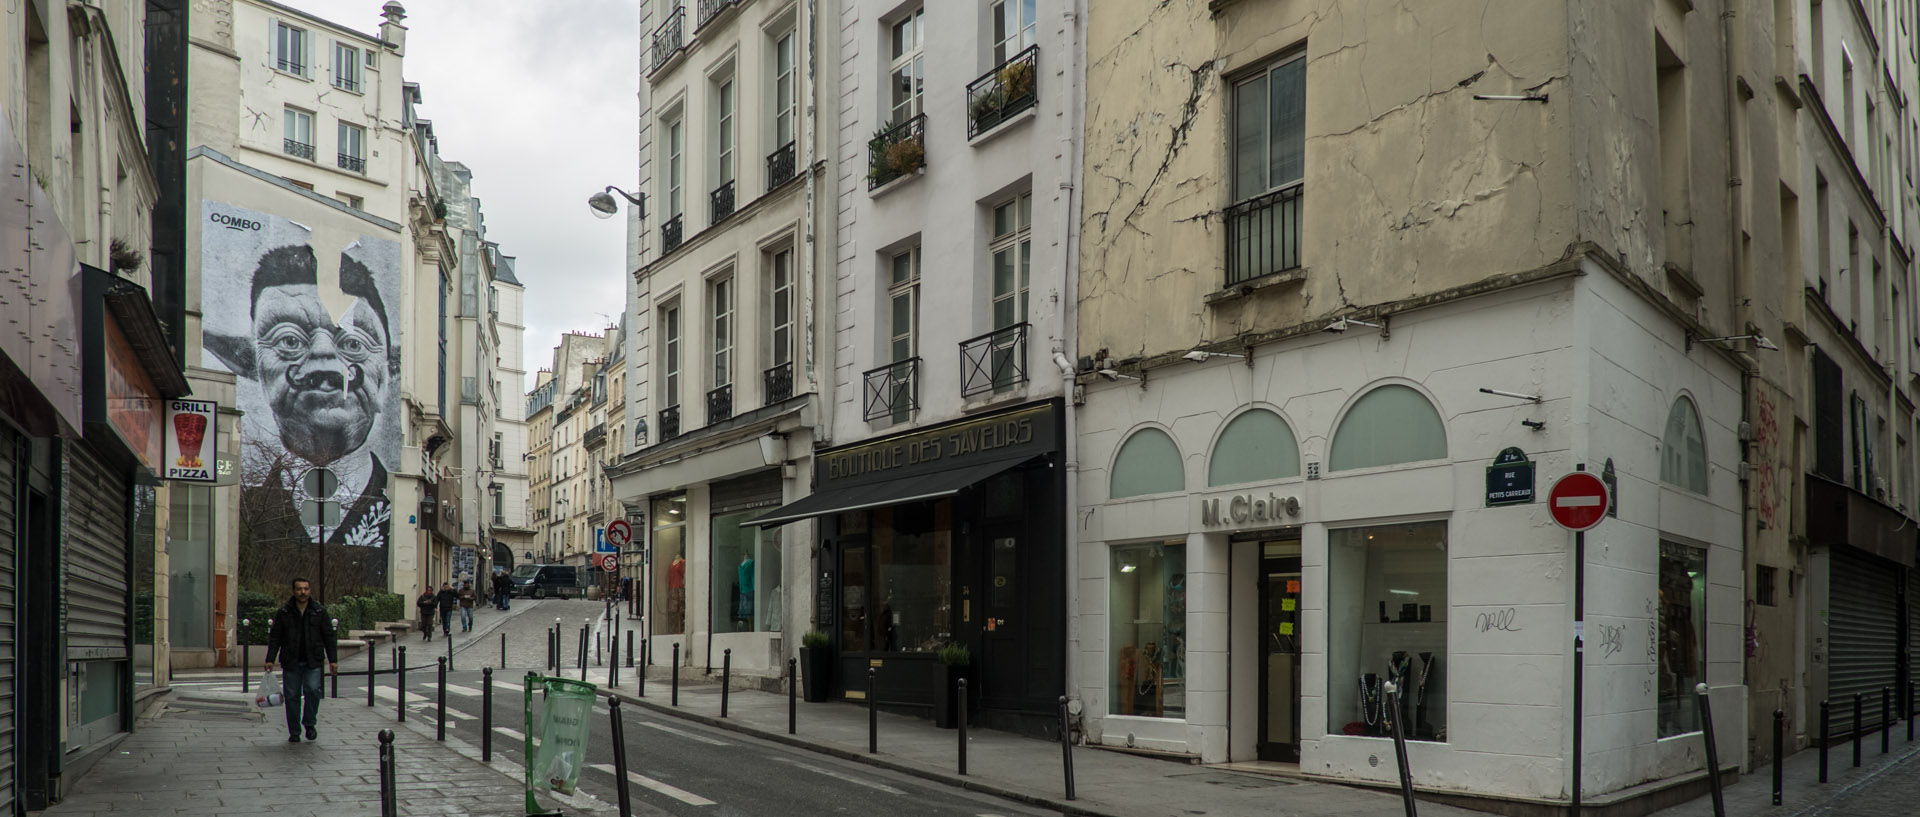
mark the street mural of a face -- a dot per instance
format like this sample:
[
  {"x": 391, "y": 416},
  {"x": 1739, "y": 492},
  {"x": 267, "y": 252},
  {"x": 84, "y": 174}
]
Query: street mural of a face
[{"x": 322, "y": 358}]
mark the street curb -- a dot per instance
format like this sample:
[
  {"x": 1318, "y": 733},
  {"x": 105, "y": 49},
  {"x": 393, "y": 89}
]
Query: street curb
[{"x": 967, "y": 783}]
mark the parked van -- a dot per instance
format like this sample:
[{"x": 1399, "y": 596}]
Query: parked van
[{"x": 541, "y": 581}]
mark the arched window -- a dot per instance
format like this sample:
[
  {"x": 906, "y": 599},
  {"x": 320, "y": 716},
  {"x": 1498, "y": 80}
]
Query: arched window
[
  {"x": 1256, "y": 446},
  {"x": 1149, "y": 463},
  {"x": 1683, "y": 449},
  {"x": 1391, "y": 424}
]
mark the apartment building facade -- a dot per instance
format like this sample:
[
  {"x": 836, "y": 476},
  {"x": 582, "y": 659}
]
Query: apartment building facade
[
  {"x": 540, "y": 468},
  {"x": 510, "y": 504}
]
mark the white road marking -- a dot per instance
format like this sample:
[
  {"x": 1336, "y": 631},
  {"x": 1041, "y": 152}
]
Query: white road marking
[
  {"x": 1577, "y": 502},
  {"x": 467, "y": 691},
  {"x": 843, "y": 776},
  {"x": 515, "y": 735},
  {"x": 685, "y": 734},
  {"x": 645, "y": 782}
]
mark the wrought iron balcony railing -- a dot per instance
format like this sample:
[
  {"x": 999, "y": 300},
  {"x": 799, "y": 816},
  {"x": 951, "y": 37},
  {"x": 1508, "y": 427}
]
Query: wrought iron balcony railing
[
  {"x": 670, "y": 234},
  {"x": 1263, "y": 235},
  {"x": 721, "y": 202},
  {"x": 352, "y": 163},
  {"x": 995, "y": 361},
  {"x": 348, "y": 84},
  {"x": 720, "y": 404},
  {"x": 669, "y": 423},
  {"x": 595, "y": 437},
  {"x": 899, "y": 150},
  {"x": 300, "y": 149},
  {"x": 892, "y": 390},
  {"x": 1010, "y": 88},
  {"x": 780, "y": 166},
  {"x": 669, "y": 38},
  {"x": 291, "y": 66},
  {"x": 710, "y": 9},
  {"x": 778, "y": 382}
]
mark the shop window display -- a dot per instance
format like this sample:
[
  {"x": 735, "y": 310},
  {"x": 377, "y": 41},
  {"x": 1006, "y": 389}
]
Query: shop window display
[
  {"x": 1147, "y": 609},
  {"x": 746, "y": 592},
  {"x": 1387, "y": 621},
  {"x": 1683, "y": 625},
  {"x": 669, "y": 565},
  {"x": 913, "y": 563}
]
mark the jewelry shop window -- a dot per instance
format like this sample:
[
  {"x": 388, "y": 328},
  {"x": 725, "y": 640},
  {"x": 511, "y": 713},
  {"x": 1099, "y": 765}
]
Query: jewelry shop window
[
  {"x": 1387, "y": 621},
  {"x": 746, "y": 575},
  {"x": 1147, "y": 608},
  {"x": 669, "y": 565},
  {"x": 1683, "y": 625}
]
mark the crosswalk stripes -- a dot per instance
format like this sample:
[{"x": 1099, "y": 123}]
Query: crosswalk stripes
[
  {"x": 646, "y": 782},
  {"x": 469, "y": 692},
  {"x": 684, "y": 733},
  {"x": 842, "y": 776}
]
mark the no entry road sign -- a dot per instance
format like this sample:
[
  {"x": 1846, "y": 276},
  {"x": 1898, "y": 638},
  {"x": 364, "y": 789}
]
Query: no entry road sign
[{"x": 1578, "y": 501}]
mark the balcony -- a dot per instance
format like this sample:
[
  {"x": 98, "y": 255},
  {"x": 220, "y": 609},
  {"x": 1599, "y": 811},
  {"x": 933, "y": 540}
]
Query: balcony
[
  {"x": 299, "y": 149},
  {"x": 994, "y": 362},
  {"x": 1004, "y": 92},
  {"x": 669, "y": 39},
  {"x": 897, "y": 151},
  {"x": 670, "y": 234},
  {"x": 778, "y": 383},
  {"x": 780, "y": 166},
  {"x": 892, "y": 390},
  {"x": 710, "y": 9},
  {"x": 353, "y": 164},
  {"x": 720, "y": 202},
  {"x": 595, "y": 437},
  {"x": 669, "y": 423},
  {"x": 1263, "y": 235},
  {"x": 720, "y": 404}
]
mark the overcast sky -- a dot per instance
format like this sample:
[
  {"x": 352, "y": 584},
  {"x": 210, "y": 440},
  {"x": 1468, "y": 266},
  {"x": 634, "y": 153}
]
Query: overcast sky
[{"x": 539, "y": 100}]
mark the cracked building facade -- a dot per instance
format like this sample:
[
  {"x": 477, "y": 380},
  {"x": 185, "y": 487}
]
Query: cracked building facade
[{"x": 1364, "y": 280}]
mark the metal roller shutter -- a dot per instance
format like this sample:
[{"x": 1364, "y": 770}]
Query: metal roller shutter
[
  {"x": 11, "y": 458},
  {"x": 96, "y": 557},
  {"x": 752, "y": 491},
  {"x": 1864, "y": 631}
]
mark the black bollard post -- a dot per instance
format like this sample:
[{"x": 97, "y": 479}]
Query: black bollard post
[
  {"x": 1779, "y": 754},
  {"x": 549, "y": 666},
  {"x": 246, "y": 658},
  {"x": 371, "y": 655},
  {"x": 1910, "y": 711},
  {"x": 1713, "y": 751},
  {"x": 629, "y": 649},
  {"x": 643, "y": 667},
  {"x": 613, "y": 662},
  {"x": 389, "y": 800},
  {"x": 486, "y": 715},
  {"x": 449, "y": 650},
  {"x": 336, "y": 673},
  {"x": 961, "y": 721},
  {"x": 442, "y": 714},
  {"x": 618, "y": 730},
  {"x": 726, "y": 679},
  {"x": 503, "y": 650},
  {"x": 400, "y": 684},
  {"x": 1066, "y": 747},
  {"x": 1886, "y": 718},
  {"x": 1392, "y": 692},
  {"x": 1826, "y": 717},
  {"x": 873, "y": 716},
  {"x": 598, "y": 658},
  {"x": 676, "y": 674},
  {"x": 583, "y": 653},
  {"x": 1858, "y": 711},
  {"x": 793, "y": 686}
]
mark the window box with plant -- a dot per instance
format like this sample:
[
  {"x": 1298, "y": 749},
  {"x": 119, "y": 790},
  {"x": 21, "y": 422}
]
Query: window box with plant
[
  {"x": 816, "y": 665},
  {"x": 896, "y": 151},
  {"x": 948, "y": 706},
  {"x": 1002, "y": 93}
]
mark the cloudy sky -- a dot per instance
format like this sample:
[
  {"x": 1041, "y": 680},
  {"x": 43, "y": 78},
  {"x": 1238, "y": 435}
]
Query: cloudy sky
[{"x": 539, "y": 99}]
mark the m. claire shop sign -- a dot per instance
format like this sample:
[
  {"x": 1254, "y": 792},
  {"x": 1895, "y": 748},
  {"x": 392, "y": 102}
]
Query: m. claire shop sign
[{"x": 1241, "y": 509}]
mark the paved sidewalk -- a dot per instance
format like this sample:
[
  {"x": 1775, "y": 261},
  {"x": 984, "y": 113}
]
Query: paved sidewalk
[
  {"x": 214, "y": 754},
  {"x": 471, "y": 650},
  {"x": 1802, "y": 791}
]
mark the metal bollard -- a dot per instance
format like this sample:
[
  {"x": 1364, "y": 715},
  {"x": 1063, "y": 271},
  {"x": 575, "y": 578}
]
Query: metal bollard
[
  {"x": 1857, "y": 715},
  {"x": 1779, "y": 754},
  {"x": 629, "y": 649},
  {"x": 389, "y": 799},
  {"x": 793, "y": 686},
  {"x": 1066, "y": 747},
  {"x": 583, "y": 652},
  {"x": 442, "y": 714},
  {"x": 503, "y": 650},
  {"x": 618, "y": 730},
  {"x": 1886, "y": 718},
  {"x": 486, "y": 715},
  {"x": 336, "y": 673},
  {"x": 676, "y": 674},
  {"x": 371, "y": 655},
  {"x": 726, "y": 679},
  {"x": 1910, "y": 711},
  {"x": 613, "y": 662},
  {"x": 873, "y": 716},
  {"x": 598, "y": 658},
  {"x": 400, "y": 684},
  {"x": 449, "y": 650},
  {"x": 1826, "y": 718},
  {"x": 643, "y": 667},
  {"x": 246, "y": 658},
  {"x": 961, "y": 720},
  {"x": 1713, "y": 751}
]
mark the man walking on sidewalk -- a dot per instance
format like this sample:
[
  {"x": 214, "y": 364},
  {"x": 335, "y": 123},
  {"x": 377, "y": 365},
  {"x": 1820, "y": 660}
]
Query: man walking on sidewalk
[
  {"x": 467, "y": 600},
  {"x": 502, "y": 590},
  {"x": 448, "y": 600},
  {"x": 302, "y": 637},
  {"x": 424, "y": 606}
]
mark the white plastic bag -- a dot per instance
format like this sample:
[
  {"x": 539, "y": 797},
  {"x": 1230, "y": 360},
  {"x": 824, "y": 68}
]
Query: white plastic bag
[{"x": 269, "y": 694}]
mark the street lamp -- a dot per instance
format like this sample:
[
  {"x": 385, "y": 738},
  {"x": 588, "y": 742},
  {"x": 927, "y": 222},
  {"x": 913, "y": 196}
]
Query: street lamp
[{"x": 605, "y": 207}]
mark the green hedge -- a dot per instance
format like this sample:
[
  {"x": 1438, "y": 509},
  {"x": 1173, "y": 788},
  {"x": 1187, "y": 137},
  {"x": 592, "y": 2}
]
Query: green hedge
[
  {"x": 386, "y": 607},
  {"x": 354, "y": 612},
  {"x": 256, "y": 608}
]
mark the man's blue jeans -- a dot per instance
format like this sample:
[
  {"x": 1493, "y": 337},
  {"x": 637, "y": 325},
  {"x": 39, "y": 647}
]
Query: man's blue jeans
[
  {"x": 301, "y": 684},
  {"x": 466, "y": 618},
  {"x": 446, "y": 620}
]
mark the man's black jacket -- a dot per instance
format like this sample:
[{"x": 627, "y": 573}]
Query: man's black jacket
[
  {"x": 448, "y": 599},
  {"x": 294, "y": 638}
]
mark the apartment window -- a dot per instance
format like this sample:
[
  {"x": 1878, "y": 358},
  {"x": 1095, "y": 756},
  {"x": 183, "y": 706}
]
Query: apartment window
[
  {"x": 670, "y": 356},
  {"x": 1012, "y": 258},
  {"x": 353, "y": 148},
  {"x": 351, "y": 200},
  {"x": 780, "y": 309},
  {"x": 499, "y": 505},
  {"x": 346, "y": 67},
  {"x": 1672, "y": 112},
  {"x": 676, "y": 151},
  {"x": 723, "y": 131},
  {"x": 720, "y": 295},
  {"x": 903, "y": 297},
  {"x": 1683, "y": 630},
  {"x": 290, "y": 49},
  {"x": 298, "y": 125},
  {"x": 783, "y": 90},
  {"x": 908, "y": 73},
  {"x": 1012, "y": 28},
  {"x": 1765, "y": 578},
  {"x": 1269, "y": 157}
]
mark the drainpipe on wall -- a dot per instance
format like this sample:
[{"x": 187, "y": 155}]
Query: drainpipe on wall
[
  {"x": 823, "y": 416},
  {"x": 1743, "y": 289},
  {"x": 1067, "y": 350}
]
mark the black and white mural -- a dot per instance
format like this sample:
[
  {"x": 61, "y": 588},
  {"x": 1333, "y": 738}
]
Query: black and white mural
[{"x": 307, "y": 320}]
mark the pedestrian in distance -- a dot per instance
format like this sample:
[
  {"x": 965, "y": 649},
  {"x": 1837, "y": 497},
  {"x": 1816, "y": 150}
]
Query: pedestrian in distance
[
  {"x": 502, "y": 590},
  {"x": 425, "y": 604},
  {"x": 448, "y": 600},
  {"x": 301, "y": 637},
  {"x": 467, "y": 599}
]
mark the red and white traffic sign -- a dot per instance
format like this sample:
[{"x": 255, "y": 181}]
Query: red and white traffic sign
[
  {"x": 619, "y": 534},
  {"x": 1578, "y": 501},
  {"x": 609, "y": 562}
]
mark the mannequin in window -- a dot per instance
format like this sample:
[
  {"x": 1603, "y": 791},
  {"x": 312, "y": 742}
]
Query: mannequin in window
[
  {"x": 676, "y": 593},
  {"x": 743, "y": 585}
]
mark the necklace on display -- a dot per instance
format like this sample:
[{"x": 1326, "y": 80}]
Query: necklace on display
[{"x": 1369, "y": 703}]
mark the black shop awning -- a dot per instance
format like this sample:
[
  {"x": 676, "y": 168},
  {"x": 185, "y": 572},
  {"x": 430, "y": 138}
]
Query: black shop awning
[{"x": 893, "y": 492}]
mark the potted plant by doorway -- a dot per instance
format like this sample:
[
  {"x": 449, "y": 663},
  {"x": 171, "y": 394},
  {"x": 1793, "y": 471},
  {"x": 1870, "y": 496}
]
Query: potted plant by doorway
[
  {"x": 947, "y": 703},
  {"x": 816, "y": 665}
]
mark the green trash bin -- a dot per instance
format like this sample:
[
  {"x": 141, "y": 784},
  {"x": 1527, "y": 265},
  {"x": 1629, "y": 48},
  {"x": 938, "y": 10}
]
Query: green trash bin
[{"x": 565, "y": 720}]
